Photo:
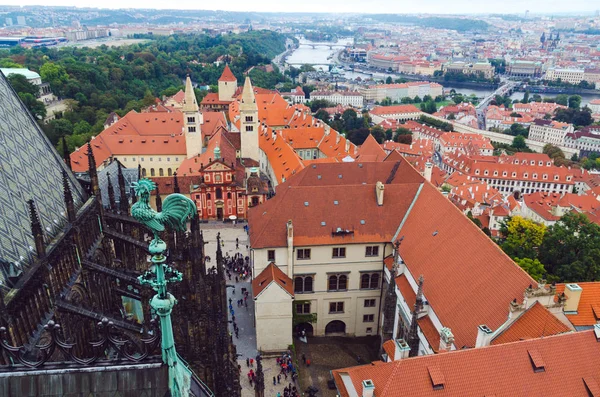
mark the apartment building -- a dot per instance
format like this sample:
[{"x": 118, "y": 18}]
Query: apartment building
[
  {"x": 396, "y": 92},
  {"x": 398, "y": 113},
  {"x": 586, "y": 140},
  {"x": 573, "y": 76},
  {"x": 549, "y": 131},
  {"x": 344, "y": 98},
  {"x": 483, "y": 67}
]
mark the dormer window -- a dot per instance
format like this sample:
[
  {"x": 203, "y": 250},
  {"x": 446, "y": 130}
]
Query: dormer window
[
  {"x": 556, "y": 177},
  {"x": 534, "y": 176},
  {"x": 514, "y": 174},
  {"x": 504, "y": 173},
  {"x": 545, "y": 176},
  {"x": 525, "y": 175},
  {"x": 476, "y": 172},
  {"x": 485, "y": 172},
  {"x": 495, "y": 173}
]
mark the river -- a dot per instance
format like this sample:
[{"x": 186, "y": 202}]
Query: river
[{"x": 321, "y": 58}]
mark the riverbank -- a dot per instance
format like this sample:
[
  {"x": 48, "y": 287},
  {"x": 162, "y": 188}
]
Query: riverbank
[{"x": 534, "y": 89}]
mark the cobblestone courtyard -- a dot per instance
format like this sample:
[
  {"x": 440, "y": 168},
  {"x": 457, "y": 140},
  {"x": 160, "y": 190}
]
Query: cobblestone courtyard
[{"x": 325, "y": 353}]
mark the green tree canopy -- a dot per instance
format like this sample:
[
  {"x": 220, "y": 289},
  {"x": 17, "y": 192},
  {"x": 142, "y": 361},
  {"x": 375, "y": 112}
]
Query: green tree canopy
[
  {"x": 532, "y": 266},
  {"x": 571, "y": 249},
  {"x": 522, "y": 237},
  {"x": 519, "y": 142},
  {"x": 20, "y": 84}
]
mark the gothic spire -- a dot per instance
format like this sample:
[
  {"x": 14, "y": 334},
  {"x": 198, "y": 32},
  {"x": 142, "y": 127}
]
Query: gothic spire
[
  {"x": 66, "y": 155},
  {"x": 390, "y": 298},
  {"x": 175, "y": 183},
  {"x": 68, "y": 197},
  {"x": 413, "y": 335},
  {"x": 123, "y": 201},
  {"x": 158, "y": 200},
  {"x": 95, "y": 188},
  {"x": 111, "y": 193},
  {"x": 36, "y": 230},
  {"x": 189, "y": 100}
]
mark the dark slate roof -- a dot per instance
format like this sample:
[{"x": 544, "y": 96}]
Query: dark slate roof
[
  {"x": 130, "y": 175},
  {"x": 30, "y": 168}
]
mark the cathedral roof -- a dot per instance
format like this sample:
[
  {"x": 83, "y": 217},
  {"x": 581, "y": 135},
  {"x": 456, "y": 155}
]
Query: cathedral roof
[{"x": 30, "y": 169}]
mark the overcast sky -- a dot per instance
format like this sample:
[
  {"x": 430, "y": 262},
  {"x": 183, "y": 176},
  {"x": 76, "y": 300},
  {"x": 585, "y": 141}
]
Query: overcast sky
[{"x": 360, "y": 6}]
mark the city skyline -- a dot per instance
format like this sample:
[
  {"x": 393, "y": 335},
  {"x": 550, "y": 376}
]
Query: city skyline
[{"x": 460, "y": 7}]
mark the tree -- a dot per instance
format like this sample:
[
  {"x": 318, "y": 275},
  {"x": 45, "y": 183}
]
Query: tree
[
  {"x": 532, "y": 266},
  {"x": 389, "y": 80},
  {"x": 54, "y": 74},
  {"x": 562, "y": 99},
  {"x": 519, "y": 142},
  {"x": 37, "y": 108},
  {"x": 378, "y": 133},
  {"x": 417, "y": 99},
  {"x": 322, "y": 115},
  {"x": 401, "y": 131},
  {"x": 429, "y": 107},
  {"x": 319, "y": 104},
  {"x": 526, "y": 97},
  {"x": 20, "y": 84},
  {"x": 574, "y": 101},
  {"x": 358, "y": 136},
  {"x": 522, "y": 237},
  {"x": 451, "y": 116},
  {"x": 571, "y": 249},
  {"x": 555, "y": 153}
]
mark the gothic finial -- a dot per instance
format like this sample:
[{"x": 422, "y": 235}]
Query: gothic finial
[
  {"x": 36, "y": 230},
  {"x": 123, "y": 201},
  {"x": 111, "y": 193},
  {"x": 68, "y": 197},
  {"x": 175, "y": 183},
  {"x": 158, "y": 200},
  {"x": 139, "y": 172},
  {"x": 66, "y": 155},
  {"x": 413, "y": 336},
  {"x": 92, "y": 171}
]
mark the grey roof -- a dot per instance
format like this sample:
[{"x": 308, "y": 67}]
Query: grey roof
[
  {"x": 130, "y": 175},
  {"x": 30, "y": 168}
]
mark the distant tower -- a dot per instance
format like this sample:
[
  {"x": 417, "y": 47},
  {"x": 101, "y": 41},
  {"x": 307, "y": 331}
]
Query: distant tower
[
  {"x": 249, "y": 122},
  {"x": 543, "y": 39},
  {"x": 526, "y": 14},
  {"x": 192, "y": 119},
  {"x": 227, "y": 85}
]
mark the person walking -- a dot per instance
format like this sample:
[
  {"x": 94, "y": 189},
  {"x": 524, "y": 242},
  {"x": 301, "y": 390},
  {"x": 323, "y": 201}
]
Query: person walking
[
  {"x": 247, "y": 362},
  {"x": 252, "y": 363},
  {"x": 278, "y": 378},
  {"x": 304, "y": 358},
  {"x": 274, "y": 381}
]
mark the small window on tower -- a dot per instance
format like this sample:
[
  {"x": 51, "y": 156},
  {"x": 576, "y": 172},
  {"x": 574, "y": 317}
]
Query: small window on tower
[
  {"x": 191, "y": 120},
  {"x": 249, "y": 128},
  {"x": 249, "y": 119},
  {"x": 191, "y": 129}
]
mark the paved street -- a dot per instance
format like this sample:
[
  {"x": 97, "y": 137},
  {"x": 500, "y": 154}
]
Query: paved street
[{"x": 246, "y": 343}]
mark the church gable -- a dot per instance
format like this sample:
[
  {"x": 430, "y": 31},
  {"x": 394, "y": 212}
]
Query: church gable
[{"x": 217, "y": 166}]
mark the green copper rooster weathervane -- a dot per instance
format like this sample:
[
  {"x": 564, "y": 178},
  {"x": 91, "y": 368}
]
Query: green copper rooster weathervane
[{"x": 176, "y": 210}]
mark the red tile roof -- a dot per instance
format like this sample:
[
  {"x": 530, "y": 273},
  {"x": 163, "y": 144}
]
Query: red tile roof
[
  {"x": 535, "y": 322},
  {"x": 570, "y": 368},
  {"x": 309, "y": 206},
  {"x": 371, "y": 150},
  {"x": 588, "y": 311},
  {"x": 444, "y": 246},
  {"x": 271, "y": 274},
  {"x": 227, "y": 75}
]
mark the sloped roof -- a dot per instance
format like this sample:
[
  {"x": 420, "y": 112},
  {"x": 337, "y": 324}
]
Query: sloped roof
[
  {"x": 271, "y": 274},
  {"x": 227, "y": 75},
  {"x": 398, "y": 109},
  {"x": 371, "y": 150},
  {"x": 30, "y": 169},
  {"x": 570, "y": 368},
  {"x": 454, "y": 255},
  {"x": 309, "y": 206},
  {"x": 535, "y": 322}
]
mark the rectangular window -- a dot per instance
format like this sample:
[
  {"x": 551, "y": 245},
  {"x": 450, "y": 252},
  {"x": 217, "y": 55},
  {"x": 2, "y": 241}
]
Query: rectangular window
[
  {"x": 303, "y": 308},
  {"x": 249, "y": 128},
  {"x": 191, "y": 120},
  {"x": 271, "y": 255},
  {"x": 249, "y": 119},
  {"x": 370, "y": 302},
  {"x": 372, "y": 251},
  {"x": 368, "y": 318},
  {"x": 369, "y": 330},
  {"x": 303, "y": 253},
  {"x": 336, "y": 307},
  {"x": 191, "y": 129},
  {"x": 339, "y": 252}
]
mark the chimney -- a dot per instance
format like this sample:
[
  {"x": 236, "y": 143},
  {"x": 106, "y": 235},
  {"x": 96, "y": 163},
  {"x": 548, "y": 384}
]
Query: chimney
[
  {"x": 484, "y": 336},
  {"x": 368, "y": 388},
  {"x": 446, "y": 340},
  {"x": 401, "y": 349},
  {"x": 573, "y": 294},
  {"x": 428, "y": 171},
  {"x": 379, "y": 187},
  {"x": 290, "y": 249}
]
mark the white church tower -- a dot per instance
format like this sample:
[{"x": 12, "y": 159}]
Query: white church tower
[
  {"x": 249, "y": 123},
  {"x": 192, "y": 119}
]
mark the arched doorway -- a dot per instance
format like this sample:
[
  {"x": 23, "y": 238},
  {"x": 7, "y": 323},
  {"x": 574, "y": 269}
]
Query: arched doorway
[
  {"x": 306, "y": 327},
  {"x": 335, "y": 327}
]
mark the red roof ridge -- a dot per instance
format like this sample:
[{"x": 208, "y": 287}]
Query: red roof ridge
[
  {"x": 227, "y": 75},
  {"x": 272, "y": 273}
]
